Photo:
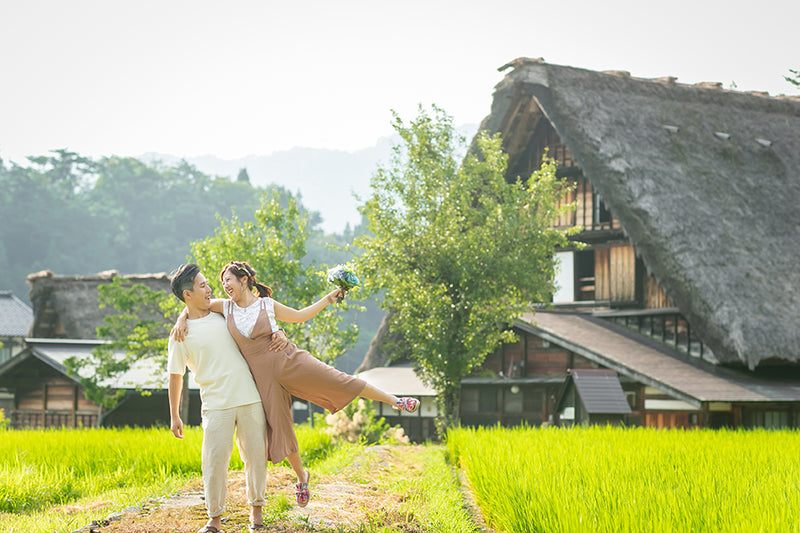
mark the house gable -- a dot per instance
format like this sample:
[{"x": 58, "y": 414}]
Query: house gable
[{"x": 702, "y": 181}]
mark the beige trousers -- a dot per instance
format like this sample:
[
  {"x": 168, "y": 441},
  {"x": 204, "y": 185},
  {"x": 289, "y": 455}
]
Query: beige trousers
[{"x": 250, "y": 424}]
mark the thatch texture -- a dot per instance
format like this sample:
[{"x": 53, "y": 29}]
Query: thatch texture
[
  {"x": 384, "y": 348},
  {"x": 705, "y": 182},
  {"x": 67, "y": 307}
]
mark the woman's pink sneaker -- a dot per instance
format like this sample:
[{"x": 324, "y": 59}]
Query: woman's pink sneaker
[{"x": 409, "y": 405}]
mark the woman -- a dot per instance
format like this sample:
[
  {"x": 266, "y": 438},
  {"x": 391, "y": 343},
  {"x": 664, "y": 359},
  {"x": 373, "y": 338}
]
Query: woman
[{"x": 286, "y": 372}]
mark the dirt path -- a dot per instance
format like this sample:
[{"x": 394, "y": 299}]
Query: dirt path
[{"x": 366, "y": 495}]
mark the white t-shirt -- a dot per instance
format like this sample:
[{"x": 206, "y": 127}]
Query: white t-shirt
[
  {"x": 245, "y": 318},
  {"x": 218, "y": 366}
]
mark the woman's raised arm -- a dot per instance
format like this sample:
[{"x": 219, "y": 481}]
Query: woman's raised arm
[{"x": 288, "y": 314}]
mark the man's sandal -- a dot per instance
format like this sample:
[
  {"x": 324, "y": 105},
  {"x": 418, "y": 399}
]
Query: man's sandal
[
  {"x": 209, "y": 529},
  {"x": 409, "y": 405},
  {"x": 301, "y": 492}
]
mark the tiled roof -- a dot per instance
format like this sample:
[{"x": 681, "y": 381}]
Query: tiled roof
[
  {"x": 693, "y": 381},
  {"x": 16, "y": 317},
  {"x": 145, "y": 374},
  {"x": 400, "y": 380},
  {"x": 600, "y": 391}
]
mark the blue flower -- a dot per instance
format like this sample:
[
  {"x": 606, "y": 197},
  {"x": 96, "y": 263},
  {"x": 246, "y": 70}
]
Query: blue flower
[{"x": 343, "y": 277}]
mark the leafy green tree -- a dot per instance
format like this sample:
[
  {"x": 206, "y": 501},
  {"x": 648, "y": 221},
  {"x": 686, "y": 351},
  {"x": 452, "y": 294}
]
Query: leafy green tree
[
  {"x": 459, "y": 251},
  {"x": 274, "y": 244},
  {"x": 243, "y": 175},
  {"x": 794, "y": 79}
]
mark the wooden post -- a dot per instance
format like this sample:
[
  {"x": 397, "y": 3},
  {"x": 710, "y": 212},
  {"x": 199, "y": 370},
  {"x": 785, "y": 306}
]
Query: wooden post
[
  {"x": 44, "y": 406},
  {"x": 75, "y": 406}
]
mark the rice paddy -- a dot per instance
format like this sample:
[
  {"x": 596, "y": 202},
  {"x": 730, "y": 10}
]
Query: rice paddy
[{"x": 604, "y": 479}]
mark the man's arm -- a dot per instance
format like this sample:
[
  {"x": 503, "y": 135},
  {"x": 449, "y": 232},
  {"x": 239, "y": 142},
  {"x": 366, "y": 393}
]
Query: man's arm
[{"x": 175, "y": 389}]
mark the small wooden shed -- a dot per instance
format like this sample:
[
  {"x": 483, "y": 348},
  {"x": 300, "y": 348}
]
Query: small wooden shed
[{"x": 591, "y": 396}]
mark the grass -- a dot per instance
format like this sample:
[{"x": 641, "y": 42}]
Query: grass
[
  {"x": 60, "y": 480},
  {"x": 616, "y": 480},
  {"x": 413, "y": 489}
]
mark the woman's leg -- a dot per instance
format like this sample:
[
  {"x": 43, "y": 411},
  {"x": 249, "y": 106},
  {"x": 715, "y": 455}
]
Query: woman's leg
[
  {"x": 297, "y": 465},
  {"x": 409, "y": 405},
  {"x": 372, "y": 393},
  {"x": 301, "y": 492}
]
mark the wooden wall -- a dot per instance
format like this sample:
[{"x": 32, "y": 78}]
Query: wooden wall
[
  {"x": 615, "y": 273},
  {"x": 653, "y": 296},
  {"x": 53, "y": 402},
  {"x": 583, "y": 215},
  {"x": 531, "y": 356}
]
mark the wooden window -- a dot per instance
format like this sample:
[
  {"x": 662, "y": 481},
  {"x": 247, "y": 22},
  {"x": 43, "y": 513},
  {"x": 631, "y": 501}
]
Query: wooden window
[
  {"x": 487, "y": 400},
  {"x": 469, "y": 400}
]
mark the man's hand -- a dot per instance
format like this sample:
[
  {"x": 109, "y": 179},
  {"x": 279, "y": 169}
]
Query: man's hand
[
  {"x": 279, "y": 341},
  {"x": 176, "y": 425},
  {"x": 179, "y": 330}
]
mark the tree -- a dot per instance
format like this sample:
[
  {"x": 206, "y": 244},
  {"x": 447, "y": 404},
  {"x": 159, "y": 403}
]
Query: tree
[
  {"x": 243, "y": 175},
  {"x": 458, "y": 251},
  {"x": 274, "y": 244},
  {"x": 794, "y": 79}
]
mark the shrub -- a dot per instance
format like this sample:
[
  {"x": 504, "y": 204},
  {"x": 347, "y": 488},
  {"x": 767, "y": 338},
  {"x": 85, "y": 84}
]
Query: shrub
[{"x": 357, "y": 423}]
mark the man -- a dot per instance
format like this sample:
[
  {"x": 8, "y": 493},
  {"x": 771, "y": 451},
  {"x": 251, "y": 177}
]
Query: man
[{"x": 229, "y": 397}]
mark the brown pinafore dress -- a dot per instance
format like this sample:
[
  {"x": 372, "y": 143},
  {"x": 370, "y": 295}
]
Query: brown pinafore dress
[{"x": 281, "y": 374}]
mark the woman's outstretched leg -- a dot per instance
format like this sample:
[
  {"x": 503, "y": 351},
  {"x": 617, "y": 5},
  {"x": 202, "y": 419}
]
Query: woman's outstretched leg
[{"x": 373, "y": 393}]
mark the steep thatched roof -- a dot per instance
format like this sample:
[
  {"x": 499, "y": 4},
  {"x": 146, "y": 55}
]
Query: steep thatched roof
[
  {"x": 705, "y": 182},
  {"x": 66, "y": 306},
  {"x": 384, "y": 347}
]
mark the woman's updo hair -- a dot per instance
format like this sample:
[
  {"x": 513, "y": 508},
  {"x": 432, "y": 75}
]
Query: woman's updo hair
[{"x": 240, "y": 269}]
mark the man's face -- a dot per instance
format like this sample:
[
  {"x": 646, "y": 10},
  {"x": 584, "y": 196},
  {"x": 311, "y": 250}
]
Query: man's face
[{"x": 200, "y": 295}]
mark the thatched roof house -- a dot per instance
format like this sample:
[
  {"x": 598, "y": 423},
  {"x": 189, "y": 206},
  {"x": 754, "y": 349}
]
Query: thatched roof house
[
  {"x": 687, "y": 289},
  {"x": 67, "y": 306},
  {"x": 704, "y": 182}
]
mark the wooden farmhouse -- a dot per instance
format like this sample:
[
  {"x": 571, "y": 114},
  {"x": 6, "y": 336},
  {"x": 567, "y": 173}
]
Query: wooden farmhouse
[
  {"x": 687, "y": 291},
  {"x": 65, "y": 318},
  {"x": 16, "y": 318}
]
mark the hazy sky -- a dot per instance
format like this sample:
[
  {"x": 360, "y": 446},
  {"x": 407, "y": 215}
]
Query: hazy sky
[{"x": 240, "y": 78}]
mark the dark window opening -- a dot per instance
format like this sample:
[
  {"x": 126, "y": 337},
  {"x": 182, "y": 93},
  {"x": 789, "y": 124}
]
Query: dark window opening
[{"x": 584, "y": 275}]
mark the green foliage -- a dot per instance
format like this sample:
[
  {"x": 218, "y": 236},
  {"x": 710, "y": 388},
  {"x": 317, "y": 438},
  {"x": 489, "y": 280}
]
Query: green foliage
[
  {"x": 794, "y": 79},
  {"x": 74, "y": 215},
  {"x": 40, "y": 469},
  {"x": 3, "y": 420},
  {"x": 608, "y": 479},
  {"x": 358, "y": 422},
  {"x": 274, "y": 244},
  {"x": 138, "y": 332},
  {"x": 458, "y": 250}
]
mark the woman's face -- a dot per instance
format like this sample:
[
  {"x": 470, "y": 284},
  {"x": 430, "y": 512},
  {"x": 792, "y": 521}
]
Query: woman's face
[{"x": 234, "y": 287}]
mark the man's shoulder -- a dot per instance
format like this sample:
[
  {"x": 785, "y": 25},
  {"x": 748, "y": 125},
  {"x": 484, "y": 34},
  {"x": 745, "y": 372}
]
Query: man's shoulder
[{"x": 209, "y": 319}]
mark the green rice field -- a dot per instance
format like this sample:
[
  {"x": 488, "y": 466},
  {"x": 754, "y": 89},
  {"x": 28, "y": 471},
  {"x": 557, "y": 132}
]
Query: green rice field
[
  {"x": 45, "y": 475},
  {"x": 604, "y": 479}
]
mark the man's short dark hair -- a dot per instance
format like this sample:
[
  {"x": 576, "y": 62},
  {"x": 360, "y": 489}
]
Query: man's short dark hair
[{"x": 182, "y": 279}]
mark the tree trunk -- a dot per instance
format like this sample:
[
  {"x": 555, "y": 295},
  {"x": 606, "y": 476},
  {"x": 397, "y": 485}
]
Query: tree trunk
[{"x": 449, "y": 400}]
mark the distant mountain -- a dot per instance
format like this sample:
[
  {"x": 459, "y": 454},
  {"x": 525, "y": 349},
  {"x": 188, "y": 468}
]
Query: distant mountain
[{"x": 326, "y": 179}]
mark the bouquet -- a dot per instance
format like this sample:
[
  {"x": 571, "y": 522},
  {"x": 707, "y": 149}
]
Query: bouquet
[{"x": 342, "y": 277}]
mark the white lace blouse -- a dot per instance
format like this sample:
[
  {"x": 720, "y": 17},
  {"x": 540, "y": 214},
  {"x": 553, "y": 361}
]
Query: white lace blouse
[{"x": 245, "y": 318}]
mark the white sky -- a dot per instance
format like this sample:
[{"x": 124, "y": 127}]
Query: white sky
[{"x": 251, "y": 77}]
